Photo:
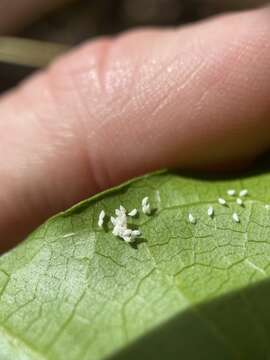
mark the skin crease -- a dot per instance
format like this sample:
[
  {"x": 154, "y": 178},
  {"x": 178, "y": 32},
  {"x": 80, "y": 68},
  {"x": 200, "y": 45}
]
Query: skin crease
[{"x": 195, "y": 97}]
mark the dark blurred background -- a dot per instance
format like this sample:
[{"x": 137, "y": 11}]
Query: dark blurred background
[{"x": 84, "y": 19}]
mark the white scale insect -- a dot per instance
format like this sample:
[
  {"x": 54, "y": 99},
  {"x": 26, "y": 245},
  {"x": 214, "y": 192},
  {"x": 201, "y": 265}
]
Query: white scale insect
[
  {"x": 243, "y": 193},
  {"x": 121, "y": 227},
  {"x": 133, "y": 212},
  {"x": 191, "y": 219},
  {"x": 222, "y": 201},
  {"x": 101, "y": 218},
  {"x": 146, "y": 209},
  {"x": 235, "y": 218},
  {"x": 210, "y": 211},
  {"x": 239, "y": 202},
  {"x": 120, "y": 220}
]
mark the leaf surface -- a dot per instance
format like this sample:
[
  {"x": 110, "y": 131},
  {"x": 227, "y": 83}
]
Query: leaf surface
[{"x": 74, "y": 291}]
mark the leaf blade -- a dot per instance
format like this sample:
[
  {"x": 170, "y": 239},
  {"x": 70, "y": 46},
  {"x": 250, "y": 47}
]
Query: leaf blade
[{"x": 72, "y": 283}]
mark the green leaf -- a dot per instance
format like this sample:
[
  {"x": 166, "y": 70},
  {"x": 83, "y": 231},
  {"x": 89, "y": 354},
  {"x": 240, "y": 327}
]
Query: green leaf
[{"x": 185, "y": 291}]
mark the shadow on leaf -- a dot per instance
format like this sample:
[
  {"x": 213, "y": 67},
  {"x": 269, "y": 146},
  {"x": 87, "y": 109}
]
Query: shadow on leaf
[{"x": 236, "y": 326}]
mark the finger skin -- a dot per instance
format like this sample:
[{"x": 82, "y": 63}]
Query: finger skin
[{"x": 194, "y": 98}]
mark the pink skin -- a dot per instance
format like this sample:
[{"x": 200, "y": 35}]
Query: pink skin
[{"x": 196, "y": 97}]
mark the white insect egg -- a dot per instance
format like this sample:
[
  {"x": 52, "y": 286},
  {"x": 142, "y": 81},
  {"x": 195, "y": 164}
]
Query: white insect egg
[
  {"x": 191, "y": 219},
  {"x": 239, "y": 202},
  {"x": 133, "y": 212},
  {"x": 235, "y": 218},
  {"x": 136, "y": 233},
  {"x": 146, "y": 209},
  {"x": 101, "y": 218},
  {"x": 243, "y": 193},
  {"x": 222, "y": 201},
  {"x": 210, "y": 211},
  {"x": 145, "y": 200},
  {"x": 116, "y": 230},
  {"x": 130, "y": 236},
  {"x": 121, "y": 227},
  {"x": 231, "y": 192},
  {"x": 113, "y": 220},
  {"x": 127, "y": 232},
  {"x": 267, "y": 206},
  {"x": 122, "y": 219},
  {"x": 118, "y": 212},
  {"x": 119, "y": 230},
  {"x": 122, "y": 209}
]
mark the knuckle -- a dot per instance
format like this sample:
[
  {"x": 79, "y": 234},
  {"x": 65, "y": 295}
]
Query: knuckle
[{"x": 80, "y": 86}]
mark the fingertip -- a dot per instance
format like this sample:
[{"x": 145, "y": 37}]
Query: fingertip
[{"x": 193, "y": 98}]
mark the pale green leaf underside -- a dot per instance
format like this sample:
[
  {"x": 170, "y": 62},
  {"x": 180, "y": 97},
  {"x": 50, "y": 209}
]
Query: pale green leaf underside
[{"x": 74, "y": 291}]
